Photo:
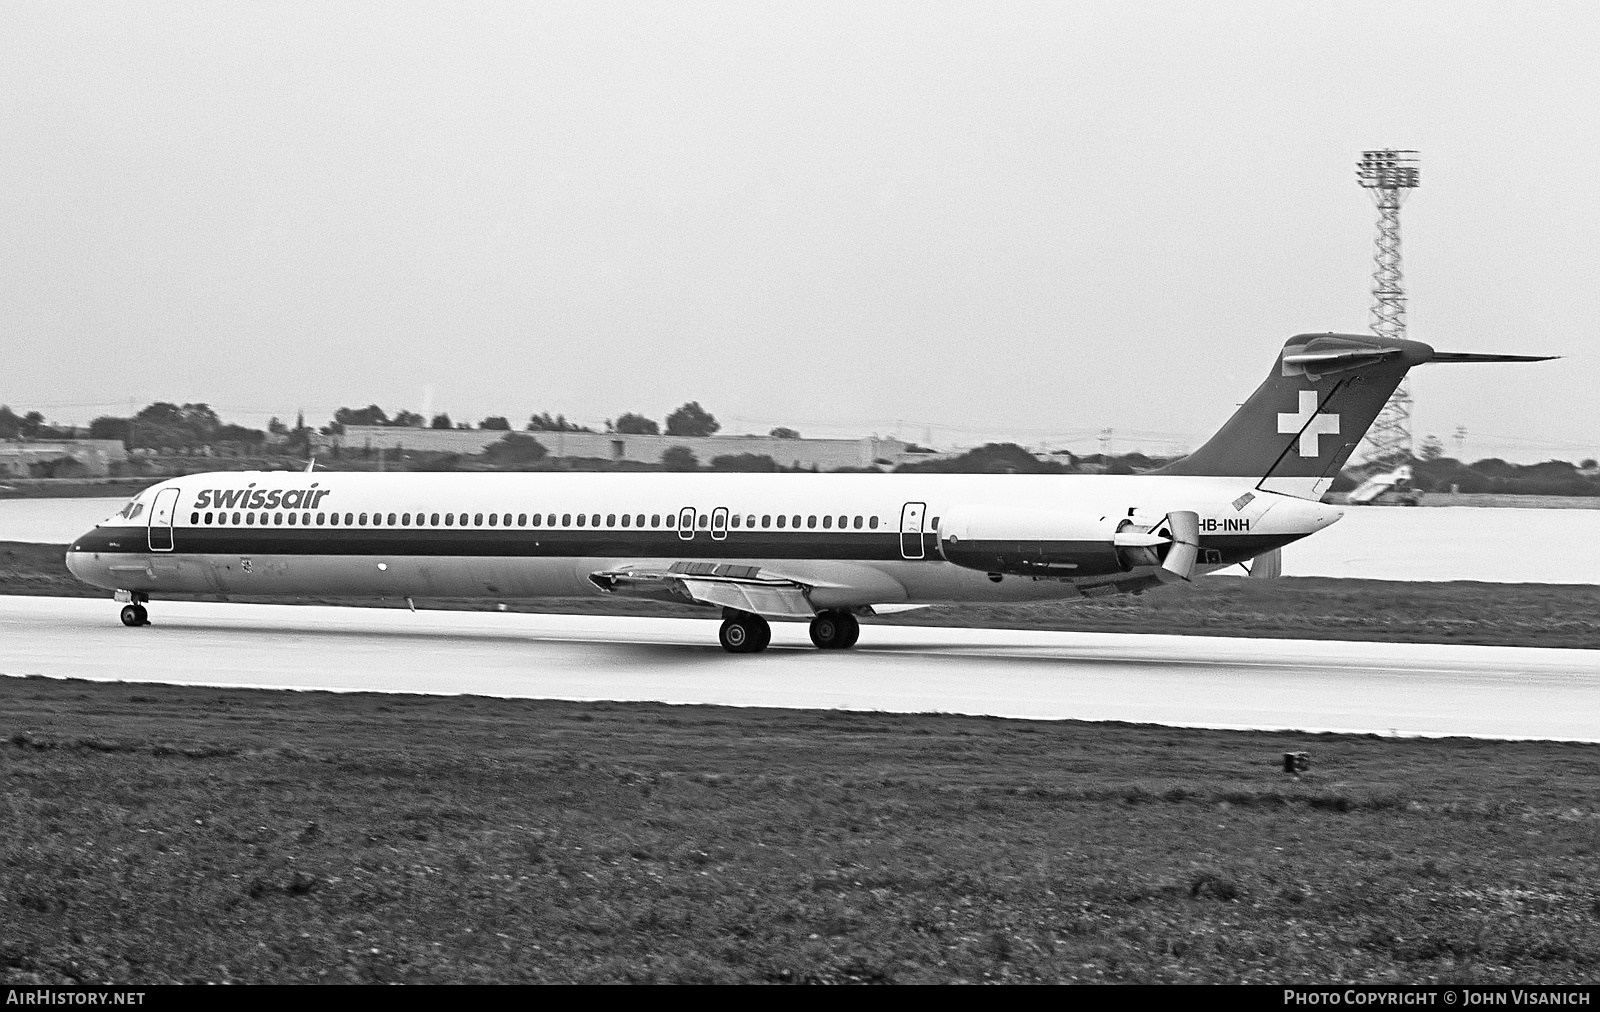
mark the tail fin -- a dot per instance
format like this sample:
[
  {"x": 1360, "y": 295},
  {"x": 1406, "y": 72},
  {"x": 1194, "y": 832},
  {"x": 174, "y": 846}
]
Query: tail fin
[{"x": 1301, "y": 425}]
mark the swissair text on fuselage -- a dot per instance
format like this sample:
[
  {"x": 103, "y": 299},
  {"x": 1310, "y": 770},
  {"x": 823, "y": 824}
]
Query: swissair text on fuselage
[{"x": 250, "y": 498}]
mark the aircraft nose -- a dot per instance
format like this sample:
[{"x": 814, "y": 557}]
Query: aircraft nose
[{"x": 82, "y": 563}]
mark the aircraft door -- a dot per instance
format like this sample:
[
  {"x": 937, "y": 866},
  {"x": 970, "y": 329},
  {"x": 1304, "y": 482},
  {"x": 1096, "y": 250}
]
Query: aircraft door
[
  {"x": 719, "y": 523},
  {"x": 911, "y": 529},
  {"x": 686, "y": 523},
  {"x": 159, "y": 534}
]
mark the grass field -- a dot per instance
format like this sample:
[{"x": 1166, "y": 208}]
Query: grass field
[
  {"x": 173, "y": 834},
  {"x": 1546, "y": 615}
]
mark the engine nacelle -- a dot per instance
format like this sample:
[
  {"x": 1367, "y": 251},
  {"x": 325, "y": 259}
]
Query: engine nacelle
[{"x": 1034, "y": 542}]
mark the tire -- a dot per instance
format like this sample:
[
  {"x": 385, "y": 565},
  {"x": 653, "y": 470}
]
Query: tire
[
  {"x": 130, "y": 615},
  {"x": 735, "y": 636},
  {"x": 850, "y": 631},
  {"x": 825, "y": 630}
]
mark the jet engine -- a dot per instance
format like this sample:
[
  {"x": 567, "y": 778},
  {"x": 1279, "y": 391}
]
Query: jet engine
[{"x": 1034, "y": 542}]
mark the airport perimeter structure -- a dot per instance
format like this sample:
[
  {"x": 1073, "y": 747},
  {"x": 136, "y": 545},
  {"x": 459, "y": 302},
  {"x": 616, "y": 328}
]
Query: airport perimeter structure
[{"x": 822, "y": 454}]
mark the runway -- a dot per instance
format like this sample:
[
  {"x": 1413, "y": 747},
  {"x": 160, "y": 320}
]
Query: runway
[{"x": 1405, "y": 689}]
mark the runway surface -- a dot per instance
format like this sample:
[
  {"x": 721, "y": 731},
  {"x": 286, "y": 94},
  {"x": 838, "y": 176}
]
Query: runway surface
[
  {"x": 1408, "y": 689},
  {"x": 1370, "y": 542}
]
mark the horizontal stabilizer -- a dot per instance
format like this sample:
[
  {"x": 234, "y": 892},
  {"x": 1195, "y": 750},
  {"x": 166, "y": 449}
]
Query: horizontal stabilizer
[{"x": 1467, "y": 356}]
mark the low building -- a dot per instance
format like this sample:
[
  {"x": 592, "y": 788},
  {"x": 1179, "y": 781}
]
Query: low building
[
  {"x": 60, "y": 458},
  {"x": 822, "y": 454}
]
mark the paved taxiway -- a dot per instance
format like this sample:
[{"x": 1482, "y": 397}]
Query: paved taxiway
[{"x": 1410, "y": 689}]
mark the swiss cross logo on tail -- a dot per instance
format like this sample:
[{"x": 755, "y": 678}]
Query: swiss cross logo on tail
[{"x": 1309, "y": 423}]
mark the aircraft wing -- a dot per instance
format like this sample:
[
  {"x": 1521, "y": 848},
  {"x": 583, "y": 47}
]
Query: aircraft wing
[
  {"x": 759, "y": 589},
  {"x": 721, "y": 585}
]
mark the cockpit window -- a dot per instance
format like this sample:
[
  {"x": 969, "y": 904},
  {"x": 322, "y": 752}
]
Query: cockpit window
[{"x": 133, "y": 509}]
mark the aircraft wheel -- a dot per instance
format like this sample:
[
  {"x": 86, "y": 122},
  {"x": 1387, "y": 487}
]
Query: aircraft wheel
[
  {"x": 763, "y": 633},
  {"x": 849, "y": 632},
  {"x": 133, "y": 615},
  {"x": 828, "y": 630},
  {"x": 746, "y": 634}
]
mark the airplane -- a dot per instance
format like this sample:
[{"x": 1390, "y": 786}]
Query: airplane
[
  {"x": 819, "y": 548},
  {"x": 1396, "y": 484}
]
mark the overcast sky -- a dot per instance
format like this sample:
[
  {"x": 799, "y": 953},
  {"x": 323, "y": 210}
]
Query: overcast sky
[{"x": 979, "y": 220}]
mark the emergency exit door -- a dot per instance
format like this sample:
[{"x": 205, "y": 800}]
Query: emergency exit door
[
  {"x": 160, "y": 530},
  {"x": 911, "y": 529}
]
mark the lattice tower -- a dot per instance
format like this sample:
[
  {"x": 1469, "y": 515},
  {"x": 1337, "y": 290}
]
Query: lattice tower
[{"x": 1390, "y": 176}]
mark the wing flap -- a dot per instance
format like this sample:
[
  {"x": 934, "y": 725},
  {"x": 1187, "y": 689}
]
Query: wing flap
[
  {"x": 743, "y": 588},
  {"x": 767, "y": 600}
]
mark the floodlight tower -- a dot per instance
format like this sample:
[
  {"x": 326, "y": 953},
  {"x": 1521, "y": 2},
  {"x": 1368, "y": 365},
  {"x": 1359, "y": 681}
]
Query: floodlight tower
[{"x": 1391, "y": 176}]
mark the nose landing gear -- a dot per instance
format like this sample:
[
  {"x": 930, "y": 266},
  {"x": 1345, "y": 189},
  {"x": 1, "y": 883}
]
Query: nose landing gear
[{"x": 133, "y": 613}]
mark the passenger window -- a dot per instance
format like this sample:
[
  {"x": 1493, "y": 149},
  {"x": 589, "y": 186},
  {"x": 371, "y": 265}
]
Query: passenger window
[
  {"x": 208, "y": 518},
  {"x": 858, "y": 523},
  {"x": 936, "y": 523},
  {"x": 669, "y": 519},
  {"x": 333, "y": 519},
  {"x": 766, "y": 519},
  {"x": 391, "y": 519},
  {"x": 566, "y": 519},
  {"x": 277, "y": 518},
  {"x": 322, "y": 518},
  {"x": 363, "y": 520},
  {"x": 194, "y": 519},
  {"x": 305, "y": 519},
  {"x": 505, "y": 521},
  {"x": 550, "y": 521},
  {"x": 626, "y": 519},
  {"x": 872, "y": 522},
  {"x": 349, "y": 519},
  {"x": 827, "y": 521},
  {"x": 291, "y": 518},
  {"x": 844, "y": 522},
  {"x": 639, "y": 520},
  {"x": 522, "y": 519},
  {"x": 734, "y": 520},
  {"x": 750, "y": 521},
  {"x": 782, "y": 520},
  {"x": 811, "y": 521},
  {"x": 434, "y": 520},
  {"x": 537, "y": 517},
  {"x": 249, "y": 518},
  {"x": 796, "y": 521},
  {"x": 581, "y": 519},
  {"x": 449, "y": 519},
  {"x": 655, "y": 520},
  {"x": 236, "y": 518},
  {"x": 493, "y": 520},
  {"x": 405, "y": 520},
  {"x": 611, "y": 520},
  {"x": 705, "y": 521},
  {"x": 595, "y": 520}
]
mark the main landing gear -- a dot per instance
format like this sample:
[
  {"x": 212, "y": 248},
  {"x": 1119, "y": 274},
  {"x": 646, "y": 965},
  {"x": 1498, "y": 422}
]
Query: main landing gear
[
  {"x": 835, "y": 630},
  {"x": 744, "y": 633}
]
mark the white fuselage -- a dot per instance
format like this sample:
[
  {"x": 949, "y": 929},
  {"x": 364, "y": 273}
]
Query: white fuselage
[{"x": 852, "y": 539}]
